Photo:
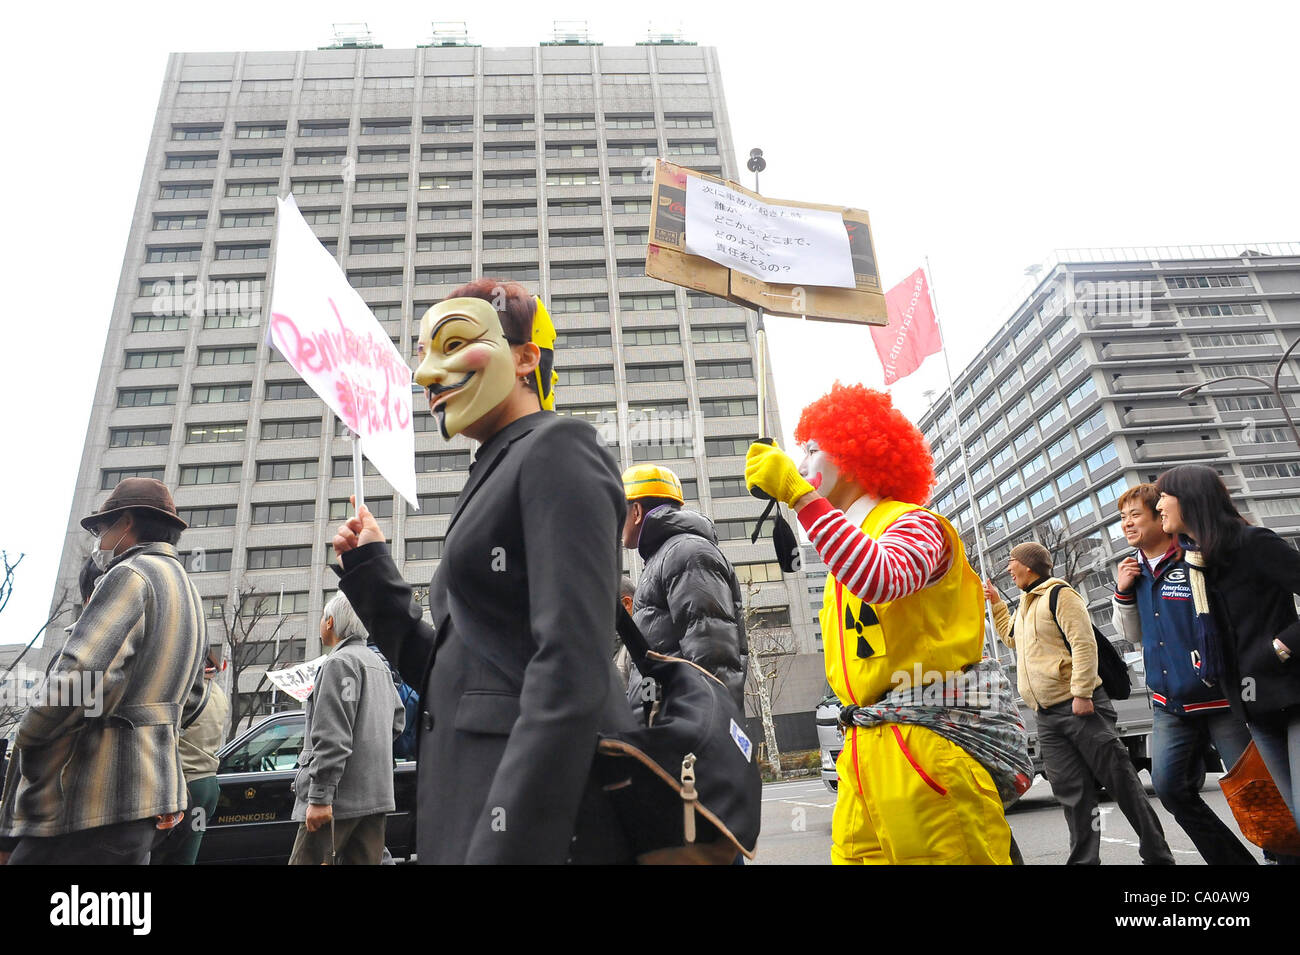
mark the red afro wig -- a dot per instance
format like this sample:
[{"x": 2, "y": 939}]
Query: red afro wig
[{"x": 871, "y": 442}]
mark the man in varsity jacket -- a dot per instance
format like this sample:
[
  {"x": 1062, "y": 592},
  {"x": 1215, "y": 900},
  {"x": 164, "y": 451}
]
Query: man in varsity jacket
[
  {"x": 900, "y": 597},
  {"x": 1153, "y": 609}
]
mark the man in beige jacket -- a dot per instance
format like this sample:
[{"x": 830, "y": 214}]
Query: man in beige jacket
[{"x": 1076, "y": 721}]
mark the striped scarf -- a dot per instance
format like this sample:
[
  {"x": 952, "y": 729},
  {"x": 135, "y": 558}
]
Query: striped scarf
[{"x": 1207, "y": 656}]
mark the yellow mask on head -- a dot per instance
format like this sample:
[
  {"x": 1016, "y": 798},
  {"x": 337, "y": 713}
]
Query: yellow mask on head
[
  {"x": 466, "y": 365},
  {"x": 546, "y": 376}
]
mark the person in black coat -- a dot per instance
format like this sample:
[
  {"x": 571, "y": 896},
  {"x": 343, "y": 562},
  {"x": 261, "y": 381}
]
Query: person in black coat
[
  {"x": 1251, "y": 577},
  {"x": 688, "y": 601},
  {"x": 514, "y": 675}
]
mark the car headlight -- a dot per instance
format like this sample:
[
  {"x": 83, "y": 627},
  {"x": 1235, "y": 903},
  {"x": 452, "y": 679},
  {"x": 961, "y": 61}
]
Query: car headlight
[{"x": 827, "y": 762}]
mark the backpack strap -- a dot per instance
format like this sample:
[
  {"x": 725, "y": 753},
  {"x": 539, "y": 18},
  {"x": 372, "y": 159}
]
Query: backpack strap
[
  {"x": 207, "y": 693},
  {"x": 1052, "y": 600}
]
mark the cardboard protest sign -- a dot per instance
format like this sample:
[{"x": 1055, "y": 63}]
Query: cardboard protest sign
[
  {"x": 331, "y": 338},
  {"x": 730, "y": 273},
  {"x": 297, "y": 681}
]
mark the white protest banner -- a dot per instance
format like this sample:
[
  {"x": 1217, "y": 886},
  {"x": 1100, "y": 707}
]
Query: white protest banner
[
  {"x": 332, "y": 339},
  {"x": 297, "y": 681},
  {"x": 766, "y": 240}
]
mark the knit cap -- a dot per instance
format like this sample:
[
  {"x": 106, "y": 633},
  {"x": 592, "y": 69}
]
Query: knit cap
[{"x": 1034, "y": 556}]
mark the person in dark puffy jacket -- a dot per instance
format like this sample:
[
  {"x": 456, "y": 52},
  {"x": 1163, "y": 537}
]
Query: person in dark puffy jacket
[{"x": 688, "y": 601}]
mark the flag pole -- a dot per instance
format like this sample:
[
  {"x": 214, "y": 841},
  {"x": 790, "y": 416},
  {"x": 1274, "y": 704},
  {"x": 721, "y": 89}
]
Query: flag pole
[
  {"x": 356, "y": 471},
  {"x": 965, "y": 465},
  {"x": 757, "y": 164}
]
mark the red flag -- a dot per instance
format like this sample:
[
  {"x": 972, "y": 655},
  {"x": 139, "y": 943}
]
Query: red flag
[{"x": 912, "y": 332}]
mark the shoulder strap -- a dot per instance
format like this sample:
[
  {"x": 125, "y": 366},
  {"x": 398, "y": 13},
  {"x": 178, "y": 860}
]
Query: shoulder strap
[
  {"x": 1052, "y": 600},
  {"x": 207, "y": 693}
]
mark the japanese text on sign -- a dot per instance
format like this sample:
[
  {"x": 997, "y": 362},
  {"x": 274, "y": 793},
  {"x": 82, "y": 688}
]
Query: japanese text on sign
[{"x": 771, "y": 242}]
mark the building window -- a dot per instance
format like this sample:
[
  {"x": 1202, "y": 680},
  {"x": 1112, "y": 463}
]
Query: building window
[
  {"x": 154, "y": 359},
  {"x": 728, "y": 407},
  {"x": 441, "y": 461},
  {"x": 389, "y": 127},
  {"x": 1207, "y": 281},
  {"x": 709, "y": 334},
  {"x": 184, "y": 190},
  {"x": 110, "y": 478},
  {"x": 1112, "y": 491},
  {"x": 208, "y": 516},
  {"x": 377, "y": 246},
  {"x": 516, "y": 273},
  {"x": 337, "y": 128},
  {"x": 1042, "y": 495},
  {"x": 588, "y": 177},
  {"x": 306, "y": 187},
  {"x": 733, "y": 530},
  {"x": 139, "y": 437},
  {"x": 688, "y": 121},
  {"x": 651, "y": 336},
  {"x": 1284, "y": 469},
  {"x": 270, "y": 558},
  {"x": 297, "y": 512},
  {"x": 453, "y": 275},
  {"x": 644, "y": 373},
  {"x": 1069, "y": 478},
  {"x": 631, "y": 236},
  {"x": 1052, "y": 416},
  {"x": 286, "y": 470},
  {"x": 453, "y": 125},
  {"x": 322, "y": 216},
  {"x": 193, "y": 161},
  {"x": 379, "y": 214},
  {"x": 510, "y": 240},
  {"x": 320, "y": 157},
  {"x": 1232, "y": 339},
  {"x": 259, "y": 250},
  {"x": 192, "y": 220},
  {"x": 563, "y": 240},
  {"x": 428, "y": 548},
  {"x": 247, "y": 220},
  {"x": 1079, "y": 510},
  {"x": 578, "y": 207},
  {"x": 386, "y": 184},
  {"x": 434, "y": 504},
  {"x": 578, "y": 270},
  {"x": 510, "y": 180},
  {"x": 260, "y": 131},
  {"x": 1086, "y": 387},
  {"x": 726, "y": 447},
  {"x": 145, "y": 397},
  {"x": 218, "y": 394},
  {"x": 249, "y": 320},
  {"x": 375, "y": 279},
  {"x": 296, "y": 428},
  {"x": 214, "y": 433},
  {"x": 211, "y": 474},
  {"x": 254, "y": 159},
  {"x": 1016, "y": 512},
  {"x": 341, "y": 510},
  {"x": 586, "y": 376},
  {"x": 598, "y": 338},
  {"x": 724, "y": 369},
  {"x": 193, "y": 133},
  {"x": 1062, "y": 445},
  {"x": 579, "y": 303},
  {"x": 204, "y": 561},
  {"x": 507, "y": 210},
  {"x": 268, "y": 187},
  {"x": 276, "y": 390}
]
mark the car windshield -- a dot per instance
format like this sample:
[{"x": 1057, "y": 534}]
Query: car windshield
[{"x": 270, "y": 748}]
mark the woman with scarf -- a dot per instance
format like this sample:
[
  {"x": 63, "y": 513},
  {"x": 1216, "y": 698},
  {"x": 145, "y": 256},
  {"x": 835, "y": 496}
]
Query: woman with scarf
[{"x": 1243, "y": 580}]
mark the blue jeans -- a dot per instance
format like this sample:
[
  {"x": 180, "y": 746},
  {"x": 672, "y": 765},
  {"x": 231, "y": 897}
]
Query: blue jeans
[
  {"x": 1279, "y": 745},
  {"x": 1177, "y": 742}
]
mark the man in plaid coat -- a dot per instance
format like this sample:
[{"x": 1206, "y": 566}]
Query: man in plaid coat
[{"x": 97, "y": 773}]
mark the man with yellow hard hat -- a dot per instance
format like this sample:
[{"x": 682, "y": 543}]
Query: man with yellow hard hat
[{"x": 688, "y": 601}]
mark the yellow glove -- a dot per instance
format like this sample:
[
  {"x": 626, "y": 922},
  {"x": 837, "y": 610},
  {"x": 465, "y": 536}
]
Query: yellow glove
[{"x": 770, "y": 469}]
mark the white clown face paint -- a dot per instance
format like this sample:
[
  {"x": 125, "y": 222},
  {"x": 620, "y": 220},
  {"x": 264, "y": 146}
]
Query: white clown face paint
[{"x": 818, "y": 469}]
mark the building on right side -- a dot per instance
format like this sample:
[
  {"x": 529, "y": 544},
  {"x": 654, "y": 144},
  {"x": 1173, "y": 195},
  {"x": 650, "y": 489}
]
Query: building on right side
[{"x": 1082, "y": 394}]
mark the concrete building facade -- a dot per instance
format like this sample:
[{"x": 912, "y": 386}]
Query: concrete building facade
[
  {"x": 420, "y": 169},
  {"x": 1077, "y": 397}
]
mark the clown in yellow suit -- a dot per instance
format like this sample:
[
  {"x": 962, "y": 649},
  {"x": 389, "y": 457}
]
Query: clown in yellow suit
[{"x": 901, "y": 601}]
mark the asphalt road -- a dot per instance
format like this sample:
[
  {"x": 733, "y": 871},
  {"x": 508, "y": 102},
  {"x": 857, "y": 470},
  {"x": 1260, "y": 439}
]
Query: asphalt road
[{"x": 797, "y": 826}]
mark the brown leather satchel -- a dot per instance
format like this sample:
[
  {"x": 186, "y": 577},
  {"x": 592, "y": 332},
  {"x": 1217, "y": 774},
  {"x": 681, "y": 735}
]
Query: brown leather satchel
[{"x": 1257, "y": 805}]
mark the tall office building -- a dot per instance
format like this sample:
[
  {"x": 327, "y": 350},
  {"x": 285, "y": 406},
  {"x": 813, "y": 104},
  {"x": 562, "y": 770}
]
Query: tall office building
[
  {"x": 1077, "y": 397},
  {"x": 421, "y": 169}
]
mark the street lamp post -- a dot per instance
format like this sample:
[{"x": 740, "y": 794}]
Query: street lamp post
[{"x": 1272, "y": 386}]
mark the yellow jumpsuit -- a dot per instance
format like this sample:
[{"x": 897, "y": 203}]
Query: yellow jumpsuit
[{"x": 906, "y": 794}]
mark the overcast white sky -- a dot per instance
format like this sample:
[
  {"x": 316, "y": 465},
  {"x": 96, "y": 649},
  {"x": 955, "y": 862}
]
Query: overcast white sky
[{"x": 983, "y": 135}]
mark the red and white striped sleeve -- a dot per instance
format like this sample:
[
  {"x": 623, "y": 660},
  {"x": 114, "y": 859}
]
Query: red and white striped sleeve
[{"x": 910, "y": 555}]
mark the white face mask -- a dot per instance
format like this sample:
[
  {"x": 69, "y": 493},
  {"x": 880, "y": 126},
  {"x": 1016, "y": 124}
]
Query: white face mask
[{"x": 104, "y": 556}]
